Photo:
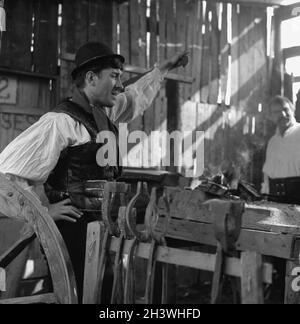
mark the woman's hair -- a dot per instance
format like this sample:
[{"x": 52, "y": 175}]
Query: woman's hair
[
  {"x": 280, "y": 100},
  {"x": 96, "y": 67}
]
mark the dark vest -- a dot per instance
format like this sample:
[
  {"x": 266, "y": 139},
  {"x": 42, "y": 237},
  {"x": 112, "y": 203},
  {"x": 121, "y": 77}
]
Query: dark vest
[
  {"x": 77, "y": 169},
  {"x": 285, "y": 190}
]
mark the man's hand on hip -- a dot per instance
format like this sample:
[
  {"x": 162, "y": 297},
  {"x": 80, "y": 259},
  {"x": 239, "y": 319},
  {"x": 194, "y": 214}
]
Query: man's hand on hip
[{"x": 64, "y": 211}]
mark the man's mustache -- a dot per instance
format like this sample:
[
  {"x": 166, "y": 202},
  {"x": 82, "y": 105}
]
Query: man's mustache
[{"x": 118, "y": 89}]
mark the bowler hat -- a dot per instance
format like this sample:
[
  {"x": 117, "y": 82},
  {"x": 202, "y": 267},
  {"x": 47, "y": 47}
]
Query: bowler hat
[{"x": 90, "y": 53}]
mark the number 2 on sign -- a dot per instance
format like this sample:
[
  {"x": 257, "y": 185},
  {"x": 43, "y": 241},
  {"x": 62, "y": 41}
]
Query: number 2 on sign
[
  {"x": 3, "y": 86},
  {"x": 296, "y": 281}
]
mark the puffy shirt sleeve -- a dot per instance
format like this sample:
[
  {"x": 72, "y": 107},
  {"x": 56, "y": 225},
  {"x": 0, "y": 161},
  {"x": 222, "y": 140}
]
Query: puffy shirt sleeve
[
  {"x": 35, "y": 152},
  {"x": 137, "y": 97}
]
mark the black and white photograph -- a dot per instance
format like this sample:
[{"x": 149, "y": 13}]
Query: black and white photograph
[{"x": 149, "y": 155}]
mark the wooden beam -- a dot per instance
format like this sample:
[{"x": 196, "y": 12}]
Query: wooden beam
[
  {"x": 170, "y": 76},
  {"x": 95, "y": 233},
  {"x": 2, "y": 280},
  {"x": 264, "y": 216},
  {"x": 18, "y": 111},
  {"x": 251, "y": 280},
  {"x": 267, "y": 243},
  {"x": 291, "y": 293},
  {"x": 288, "y": 12},
  {"x": 39, "y": 299},
  {"x": 259, "y": 2},
  {"x": 4, "y": 70},
  {"x": 173, "y": 116},
  {"x": 9, "y": 255},
  {"x": 291, "y": 52},
  {"x": 192, "y": 259}
]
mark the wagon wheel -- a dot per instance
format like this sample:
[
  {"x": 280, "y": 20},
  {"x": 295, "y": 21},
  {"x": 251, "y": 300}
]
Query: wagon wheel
[{"x": 21, "y": 205}]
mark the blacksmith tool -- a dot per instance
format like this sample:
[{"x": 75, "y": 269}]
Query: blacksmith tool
[
  {"x": 151, "y": 218},
  {"x": 142, "y": 190},
  {"x": 102, "y": 264},
  {"x": 128, "y": 293},
  {"x": 151, "y": 265},
  {"x": 129, "y": 285},
  {"x": 109, "y": 196},
  {"x": 146, "y": 235},
  {"x": 117, "y": 288},
  {"x": 130, "y": 230},
  {"x": 227, "y": 217},
  {"x": 112, "y": 229},
  {"x": 122, "y": 224},
  {"x": 163, "y": 242},
  {"x": 213, "y": 188}
]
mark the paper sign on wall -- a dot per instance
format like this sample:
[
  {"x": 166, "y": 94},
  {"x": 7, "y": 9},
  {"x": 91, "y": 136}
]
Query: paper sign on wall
[{"x": 8, "y": 90}]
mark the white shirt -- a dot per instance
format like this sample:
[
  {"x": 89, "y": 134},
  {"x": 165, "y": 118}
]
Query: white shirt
[
  {"x": 34, "y": 153},
  {"x": 283, "y": 156}
]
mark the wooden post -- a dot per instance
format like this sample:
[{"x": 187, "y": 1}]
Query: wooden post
[
  {"x": 2, "y": 21},
  {"x": 292, "y": 283},
  {"x": 298, "y": 107},
  {"x": 95, "y": 233},
  {"x": 217, "y": 276},
  {"x": 251, "y": 280},
  {"x": 278, "y": 69},
  {"x": 173, "y": 111},
  {"x": 292, "y": 276},
  {"x": 2, "y": 280},
  {"x": 100, "y": 28}
]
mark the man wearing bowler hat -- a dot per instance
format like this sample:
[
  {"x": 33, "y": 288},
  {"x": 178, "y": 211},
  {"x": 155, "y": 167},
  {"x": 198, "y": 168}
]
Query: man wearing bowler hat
[{"x": 59, "y": 151}]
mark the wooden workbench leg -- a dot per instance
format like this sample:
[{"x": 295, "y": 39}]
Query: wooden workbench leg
[
  {"x": 292, "y": 283},
  {"x": 251, "y": 278},
  {"x": 168, "y": 283},
  {"x": 217, "y": 275},
  {"x": 95, "y": 233}
]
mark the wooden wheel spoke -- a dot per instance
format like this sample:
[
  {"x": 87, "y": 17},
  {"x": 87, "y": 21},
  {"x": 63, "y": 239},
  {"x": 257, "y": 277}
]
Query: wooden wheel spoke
[
  {"x": 39, "y": 299},
  {"x": 7, "y": 257},
  {"x": 21, "y": 205}
]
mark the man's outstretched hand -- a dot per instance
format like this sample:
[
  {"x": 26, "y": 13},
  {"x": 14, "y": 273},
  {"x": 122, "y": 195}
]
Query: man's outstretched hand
[
  {"x": 180, "y": 59},
  {"x": 64, "y": 211}
]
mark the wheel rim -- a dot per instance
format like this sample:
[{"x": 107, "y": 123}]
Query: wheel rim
[{"x": 20, "y": 204}]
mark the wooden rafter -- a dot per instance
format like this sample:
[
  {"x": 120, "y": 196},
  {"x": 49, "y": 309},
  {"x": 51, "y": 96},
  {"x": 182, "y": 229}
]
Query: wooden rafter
[
  {"x": 291, "y": 52},
  {"x": 261, "y": 2},
  {"x": 287, "y": 12}
]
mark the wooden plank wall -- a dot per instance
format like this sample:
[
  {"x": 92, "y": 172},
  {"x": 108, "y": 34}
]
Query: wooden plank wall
[
  {"x": 33, "y": 99},
  {"x": 28, "y": 20},
  {"x": 82, "y": 21},
  {"x": 230, "y": 88},
  {"x": 228, "y": 63},
  {"x": 28, "y": 65}
]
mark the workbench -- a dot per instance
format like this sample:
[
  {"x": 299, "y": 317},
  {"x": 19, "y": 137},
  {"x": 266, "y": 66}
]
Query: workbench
[{"x": 267, "y": 228}]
